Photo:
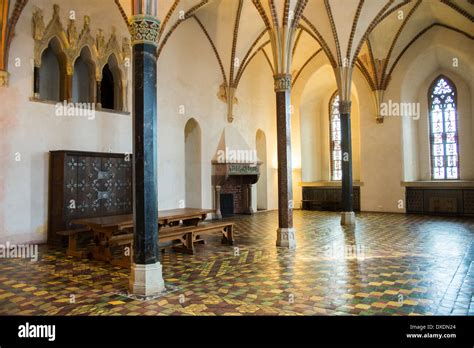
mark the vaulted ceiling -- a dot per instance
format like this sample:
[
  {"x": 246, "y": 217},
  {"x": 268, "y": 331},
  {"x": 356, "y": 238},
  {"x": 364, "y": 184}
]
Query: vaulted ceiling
[{"x": 372, "y": 34}]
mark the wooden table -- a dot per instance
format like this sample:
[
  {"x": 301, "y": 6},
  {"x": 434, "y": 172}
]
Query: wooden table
[
  {"x": 106, "y": 229},
  {"x": 166, "y": 218}
]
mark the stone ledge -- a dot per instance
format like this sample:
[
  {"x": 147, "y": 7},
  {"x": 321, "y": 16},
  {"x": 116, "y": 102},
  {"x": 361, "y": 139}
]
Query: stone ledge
[
  {"x": 328, "y": 184},
  {"x": 439, "y": 184}
]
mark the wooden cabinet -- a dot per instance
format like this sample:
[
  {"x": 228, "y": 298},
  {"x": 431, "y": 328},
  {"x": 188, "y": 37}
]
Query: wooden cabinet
[{"x": 85, "y": 185}]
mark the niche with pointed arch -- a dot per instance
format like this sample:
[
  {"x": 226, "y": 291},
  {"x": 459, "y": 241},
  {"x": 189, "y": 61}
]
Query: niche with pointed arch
[
  {"x": 52, "y": 72},
  {"x": 111, "y": 85},
  {"x": 193, "y": 164},
  {"x": 83, "y": 81}
]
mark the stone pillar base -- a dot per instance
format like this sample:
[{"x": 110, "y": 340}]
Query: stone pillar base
[
  {"x": 146, "y": 280},
  {"x": 348, "y": 218},
  {"x": 286, "y": 238}
]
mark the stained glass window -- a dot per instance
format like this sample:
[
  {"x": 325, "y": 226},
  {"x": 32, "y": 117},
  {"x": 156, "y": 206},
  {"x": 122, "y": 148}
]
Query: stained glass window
[
  {"x": 336, "y": 149},
  {"x": 444, "y": 130}
]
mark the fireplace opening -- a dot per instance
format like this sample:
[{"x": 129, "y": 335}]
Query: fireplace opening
[{"x": 227, "y": 204}]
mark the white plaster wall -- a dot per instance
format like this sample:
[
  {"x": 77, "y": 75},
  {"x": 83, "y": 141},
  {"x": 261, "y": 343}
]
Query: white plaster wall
[
  {"x": 31, "y": 129},
  {"x": 193, "y": 86},
  {"x": 381, "y": 165}
]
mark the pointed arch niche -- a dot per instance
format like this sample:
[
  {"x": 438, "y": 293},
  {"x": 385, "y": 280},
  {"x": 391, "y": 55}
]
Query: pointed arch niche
[
  {"x": 193, "y": 164},
  {"x": 83, "y": 80},
  {"x": 111, "y": 86},
  {"x": 70, "y": 61},
  {"x": 52, "y": 72}
]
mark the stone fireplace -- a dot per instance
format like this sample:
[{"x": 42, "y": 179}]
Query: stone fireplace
[{"x": 233, "y": 187}]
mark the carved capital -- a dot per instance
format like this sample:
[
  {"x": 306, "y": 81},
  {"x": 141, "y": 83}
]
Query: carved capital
[
  {"x": 3, "y": 78},
  {"x": 379, "y": 94},
  {"x": 345, "y": 107},
  {"x": 283, "y": 82},
  {"x": 144, "y": 29}
]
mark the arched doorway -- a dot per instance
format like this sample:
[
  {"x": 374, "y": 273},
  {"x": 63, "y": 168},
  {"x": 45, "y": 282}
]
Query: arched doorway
[
  {"x": 193, "y": 187},
  {"x": 262, "y": 198}
]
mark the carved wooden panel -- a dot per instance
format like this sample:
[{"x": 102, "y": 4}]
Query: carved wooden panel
[
  {"x": 454, "y": 201},
  {"x": 469, "y": 202},
  {"x": 327, "y": 199},
  {"x": 87, "y": 184},
  {"x": 414, "y": 199},
  {"x": 443, "y": 202}
]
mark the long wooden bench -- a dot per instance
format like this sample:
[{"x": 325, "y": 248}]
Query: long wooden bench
[
  {"x": 190, "y": 235},
  {"x": 182, "y": 238},
  {"x": 187, "y": 236}
]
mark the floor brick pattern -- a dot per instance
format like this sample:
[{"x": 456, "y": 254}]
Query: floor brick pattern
[{"x": 388, "y": 264}]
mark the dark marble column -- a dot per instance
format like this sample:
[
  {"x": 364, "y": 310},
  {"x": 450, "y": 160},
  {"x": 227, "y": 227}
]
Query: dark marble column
[
  {"x": 98, "y": 94},
  {"x": 36, "y": 82},
  {"x": 285, "y": 232},
  {"x": 346, "y": 145},
  {"x": 146, "y": 273},
  {"x": 145, "y": 189}
]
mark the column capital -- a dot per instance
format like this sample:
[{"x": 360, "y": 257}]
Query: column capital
[
  {"x": 345, "y": 107},
  {"x": 282, "y": 82},
  {"x": 144, "y": 29}
]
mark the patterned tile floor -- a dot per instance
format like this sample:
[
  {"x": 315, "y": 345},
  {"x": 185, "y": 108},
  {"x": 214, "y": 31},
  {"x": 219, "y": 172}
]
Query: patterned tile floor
[{"x": 387, "y": 265}]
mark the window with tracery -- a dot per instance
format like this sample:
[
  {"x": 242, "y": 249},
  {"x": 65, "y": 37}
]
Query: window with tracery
[
  {"x": 443, "y": 130},
  {"x": 335, "y": 130}
]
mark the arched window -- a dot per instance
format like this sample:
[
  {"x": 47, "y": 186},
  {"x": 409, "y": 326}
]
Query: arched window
[
  {"x": 443, "y": 130},
  {"x": 335, "y": 138}
]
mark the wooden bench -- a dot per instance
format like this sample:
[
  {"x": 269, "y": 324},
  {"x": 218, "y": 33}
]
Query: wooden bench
[
  {"x": 73, "y": 235},
  {"x": 187, "y": 236},
  {"x": 190, "y": 235},
  {"x": 182, "y": 238}
]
